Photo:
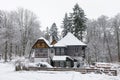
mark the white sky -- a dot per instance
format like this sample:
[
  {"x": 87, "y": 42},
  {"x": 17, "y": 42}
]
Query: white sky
[{"x": 50, "y": 11}]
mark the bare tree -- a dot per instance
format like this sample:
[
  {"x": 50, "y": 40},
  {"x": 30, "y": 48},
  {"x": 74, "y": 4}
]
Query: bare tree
[
  {"x": 116, "y": 24},
  {"x": 29, "y": 26},
  {"x": 18, "y": 31},
  {"x": 100, "y": 39}
]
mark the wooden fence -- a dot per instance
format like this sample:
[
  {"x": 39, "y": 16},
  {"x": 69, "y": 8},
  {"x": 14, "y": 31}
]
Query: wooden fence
[{"x": 81, "y": 70}]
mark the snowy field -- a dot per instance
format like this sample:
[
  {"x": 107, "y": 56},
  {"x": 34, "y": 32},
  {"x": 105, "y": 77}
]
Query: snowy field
[{"x": 7, "y": 72}]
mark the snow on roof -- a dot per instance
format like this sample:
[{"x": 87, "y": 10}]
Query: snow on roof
[
  {"x": 61, "y": 58},
  {"x": 69, "y": 40},
  {"x": 47, "y": 42}
]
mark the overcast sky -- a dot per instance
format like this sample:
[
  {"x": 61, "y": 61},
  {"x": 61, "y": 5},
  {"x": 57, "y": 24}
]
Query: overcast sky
[{"x": 50, "y": 11}]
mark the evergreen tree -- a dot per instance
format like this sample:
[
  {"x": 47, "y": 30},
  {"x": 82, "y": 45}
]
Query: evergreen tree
[
  {"x": 47, "y": 36},
  {"x": 79, "y": 21},
  {"x": 54, "y": 32},
  {"x": 67, "y": 25}
]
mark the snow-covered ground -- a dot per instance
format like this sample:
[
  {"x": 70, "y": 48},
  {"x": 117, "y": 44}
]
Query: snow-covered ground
[{"x": 7, "y": 72}]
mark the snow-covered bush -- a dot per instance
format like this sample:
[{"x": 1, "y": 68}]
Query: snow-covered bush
[
  {"x": 23, "y": 64},
  {"x": 40, "y": 64},
  {"x": 20, "y": 63}
]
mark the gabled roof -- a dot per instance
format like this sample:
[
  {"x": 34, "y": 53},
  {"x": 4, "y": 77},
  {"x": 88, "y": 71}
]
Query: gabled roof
[
  {"x": 69, "y": 40},
  {"x": 46, "y": 41},
  {"x": 53, "y": 42}
]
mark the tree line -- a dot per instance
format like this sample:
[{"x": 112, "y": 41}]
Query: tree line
[
  {"x": 101, "y": 35},
  {"x": 103, "y": 39},
  {"x": 19, "y": 30}
]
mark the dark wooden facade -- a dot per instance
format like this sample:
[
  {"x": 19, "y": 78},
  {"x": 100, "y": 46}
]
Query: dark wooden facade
[
  {"x": 53, "y": 42},
  {"x": 40, "y": 44},
  {"x": 41, "y": 49},
  {"x": 41, "y": 53}
]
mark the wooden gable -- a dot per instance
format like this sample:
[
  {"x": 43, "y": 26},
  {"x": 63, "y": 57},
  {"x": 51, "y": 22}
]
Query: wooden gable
[
  {"x": 53, "y": 42},
  {"x": 40, "y": 44}
]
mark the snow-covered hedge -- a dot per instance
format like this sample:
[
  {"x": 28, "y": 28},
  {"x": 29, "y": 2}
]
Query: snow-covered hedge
[{"x": 24, "y": 64}]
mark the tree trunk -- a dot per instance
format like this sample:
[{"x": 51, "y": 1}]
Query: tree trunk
[
  {"x": 81, "y": 36},
  {"x": 96, "y": 59},
  {"x": 16, "y": 50},
  {"x": 6, "y": 51},
  {"x": 118, "y": 45},
  {"x": 116, "y": 26},
  {"x": 10, "y": 54},
  {"x": 108, "y": 47}
]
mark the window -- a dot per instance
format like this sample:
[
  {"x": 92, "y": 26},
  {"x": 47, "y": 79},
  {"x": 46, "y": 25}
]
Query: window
[
  {"x": 61, "y": 63},
  {"x": 41, "y": 51},
  {"x": 68, "y": 64},
  {"x": 57, "y": 63},
  {"x": 62, "y": 51},
  {"x": 76, "y": 49},
  {"x": 45, "y": 51},
  {"x": 52, "y": 51},
  {"x": 57, "y": 51}
]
